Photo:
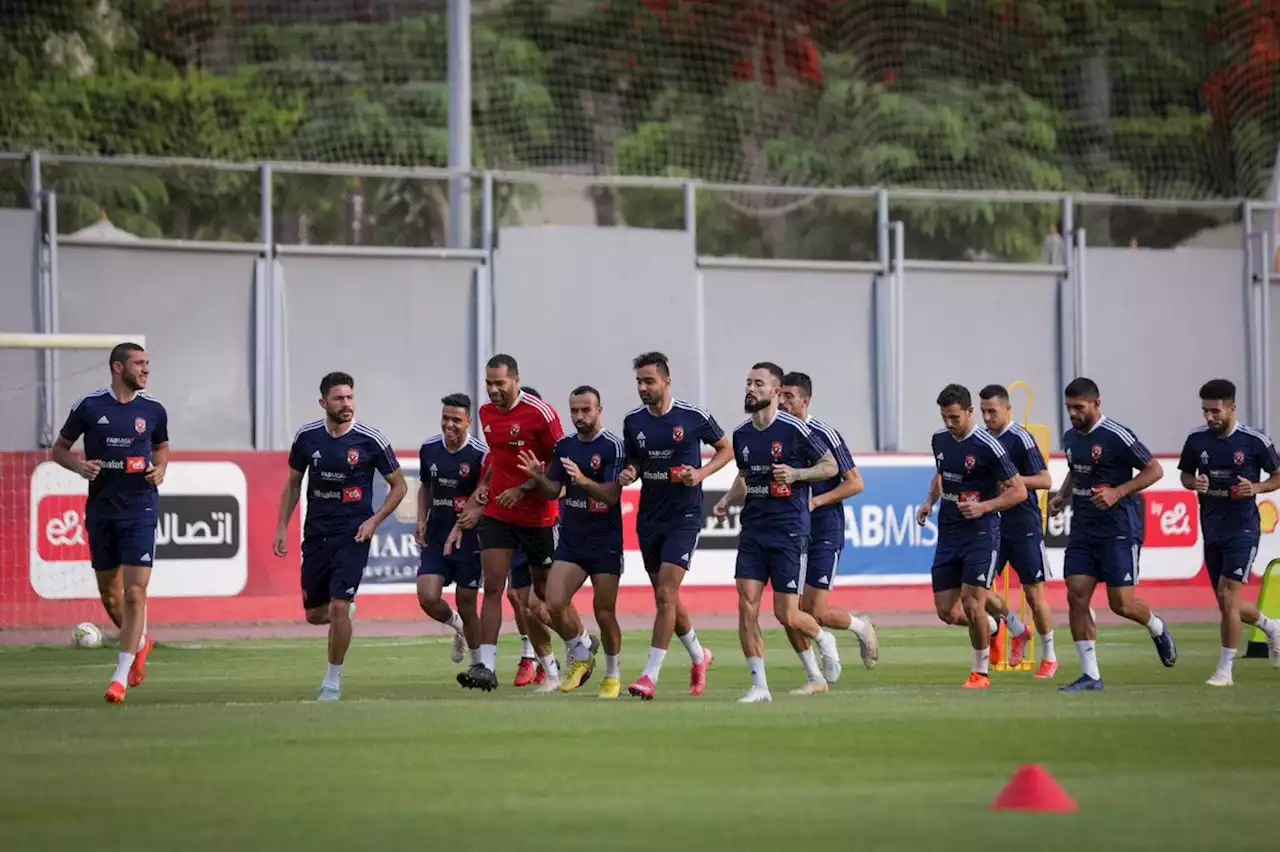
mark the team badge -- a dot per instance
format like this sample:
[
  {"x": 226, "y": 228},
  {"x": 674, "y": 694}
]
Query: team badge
[
  {"x": 1097, "y": 451},
  {"x": 596, "y": 462},
  {"x": 677, "y": 434},
  {"x": 139, "y": 425},
  {"x": 353, "y": 457},
  {"x": 969, "y": 462},
  {"x": 776, "y": 449},
  {"x": 515, "y": 429},
  {"x": 464, "y": 470},
  {"x": 1239, "y": 457}
]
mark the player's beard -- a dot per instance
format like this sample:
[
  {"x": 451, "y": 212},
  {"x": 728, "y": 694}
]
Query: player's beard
[
  {"x": 649, "y": 397},
  {"x": 342, "y": 415},
  {"x": 751, "y": 405},
  {"x": 586, "y": 429},
  {"x": 133, "y": 383}
]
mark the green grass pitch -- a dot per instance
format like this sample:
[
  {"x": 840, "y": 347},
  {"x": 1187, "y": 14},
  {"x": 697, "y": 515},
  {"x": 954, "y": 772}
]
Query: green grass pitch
[{"x": 223, "y": 749}]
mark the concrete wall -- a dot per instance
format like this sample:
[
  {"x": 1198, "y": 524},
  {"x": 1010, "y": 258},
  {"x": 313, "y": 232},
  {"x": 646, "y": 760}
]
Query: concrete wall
[{"x": 19, "y": 397}]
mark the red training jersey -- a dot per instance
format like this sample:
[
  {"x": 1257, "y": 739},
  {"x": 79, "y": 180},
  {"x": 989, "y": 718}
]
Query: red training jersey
[{"x": 530, "y": 425}]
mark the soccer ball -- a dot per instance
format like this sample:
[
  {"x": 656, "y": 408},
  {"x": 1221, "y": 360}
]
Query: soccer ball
[{"x": 86, "y": 635}]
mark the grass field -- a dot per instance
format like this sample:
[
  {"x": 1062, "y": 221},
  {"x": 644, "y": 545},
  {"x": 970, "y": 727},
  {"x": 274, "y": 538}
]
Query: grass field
[{"x": 222, "y": 749}]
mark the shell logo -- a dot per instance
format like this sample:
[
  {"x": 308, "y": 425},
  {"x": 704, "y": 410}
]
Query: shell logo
[{"x": 1269, "y": 516}]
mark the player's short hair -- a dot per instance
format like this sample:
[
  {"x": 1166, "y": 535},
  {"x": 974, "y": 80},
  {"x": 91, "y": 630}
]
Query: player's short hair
[
  {"x": 994, "y": 392},
  {"x": 954, "y": 394},
  {"x": 531, "y": 391},
  {"x": 335, "y": 379},
  {"x": 1223, "y": 389},
  {"x": 457, "y": 400},
  {"x": 1082, "y": 388},
  {"x": 771, "y": 368},
  {"x": 500, "y": 360},
  {"x": 585, "y": 389},
  {"x": 652, "y": 359},
  {"x": 122, "y": 352},
  {"x": 799, "y": 380}
]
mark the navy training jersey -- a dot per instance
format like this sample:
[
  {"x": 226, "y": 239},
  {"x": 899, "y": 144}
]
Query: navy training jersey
[
  {"x": 1107, "y": 454},
  {"x": 452, "y": 477},
  {"x": 1023, "y": 519},
  {"x": 972, "y": 469},
  {"x": 1244, "y": 452},
  {"x": 659, "y": 445},
  {"x": 827, "y": 522},
  {"x": 339, "y": 475},
  {"x": 774, "y": 509},
  {"x": 120, "y": 435},
  {"x": 588, "y": 526}
]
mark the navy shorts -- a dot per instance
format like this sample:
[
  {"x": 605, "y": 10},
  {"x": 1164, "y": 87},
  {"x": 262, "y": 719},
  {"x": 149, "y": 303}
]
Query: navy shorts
[
  {"x": 116, "y": 542},
  {"x": 1232, "y": 559},
  {"x": 1028, "y": 557},
  {"x": 1112, "y": 561},
  {"x": 521, "y": 577},
  {"x": 822, "y": 563},
  {"x": 972, "y": 561},
  {"x": 779, "y": 563},
  {"x": 601, "y": 562},
  {"x": 460, "y": 566},
  {"x": 332, "y": 567},
  {"x": 673, "y": 543}
]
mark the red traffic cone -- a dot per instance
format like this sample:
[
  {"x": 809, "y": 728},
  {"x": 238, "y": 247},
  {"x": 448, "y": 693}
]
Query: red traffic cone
[{"x": 1032, "y": 788}]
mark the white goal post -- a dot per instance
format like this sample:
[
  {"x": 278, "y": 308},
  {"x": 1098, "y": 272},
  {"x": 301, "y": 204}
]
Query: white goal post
[{"x": 12, "y": 340}]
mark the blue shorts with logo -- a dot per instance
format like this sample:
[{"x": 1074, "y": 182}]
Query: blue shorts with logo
[
  {"x": 822, "y": 563},
  {"x": 332, "y": 567},
  {"x": 778, "y": 562},
  {"x": 1231, "y": 558},
  {"x": 671, "y": 543},
  {"x": 1112, "y": 560},
  {"x": 462, "y": 566},
  {"x": 521, "y": 577},
  {"x": 114, "y": 541},
  {"x": 1027, "y": 555},
  {"x": 599, "y": 562},
  {"x": 969, "y": 561}
]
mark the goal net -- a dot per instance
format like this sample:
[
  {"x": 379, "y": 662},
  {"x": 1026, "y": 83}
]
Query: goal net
[{"x": 46, "y": 580}]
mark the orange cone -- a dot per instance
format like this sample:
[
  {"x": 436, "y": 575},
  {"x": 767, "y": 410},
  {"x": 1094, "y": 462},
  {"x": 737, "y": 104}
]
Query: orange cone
[{"x": 1032, "y": 788}]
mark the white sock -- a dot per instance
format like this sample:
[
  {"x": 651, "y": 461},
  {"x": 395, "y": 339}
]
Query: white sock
[
  {"x": 526, "y": 648},
  {"x": 1155, "y": 626},
  {"x": 1047, "y": 654},
  {"x": 827, "y": 644},
  {"x": 581, "y": 649},
  {"x": 1016, "y": 625},
  {"x": 755, "y": 665},
  {"x": 333, "y": 677},
  {"x": 142, "y": 642},
  {"x": 455, "y": 621},
  {"x": 654, "y": 666},
  {"x": 122, "y": 668},
  {"x": 1266, "y": 625},
  {"x": 1226, "y": 660},
  {"x": 993, "y": 624},
  {"x": 489, "y": 657},
  {"x": 693, "y": 646},
  {"x": 551, "y": 665},
  {"x": 810, "y": 661},
  {"x": 613, "y": 665},
  {"x": 475, "y": 656},
  {"x": 982, "y": 660},
  {"x": 858, "y": 626},
  {"x": 1088, "y": 653}
]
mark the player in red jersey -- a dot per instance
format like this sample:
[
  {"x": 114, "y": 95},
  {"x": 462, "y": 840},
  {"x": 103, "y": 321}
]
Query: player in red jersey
[{"x": 515, "y": 516}]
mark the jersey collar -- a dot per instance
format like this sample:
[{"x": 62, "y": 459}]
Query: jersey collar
[
  {"x": 967, "y": 436},
  {"x": 1005, "y": 430},
  {"x": 767, "y": 425},
  {"x": 1096, "y": 424}
]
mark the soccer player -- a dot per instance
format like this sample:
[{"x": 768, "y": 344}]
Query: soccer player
[
  {"x": 976, "y": 482},
  {"x": 1102, "y": 456},
  {"x": 516, "y": 516},
  {"x": 778, "y": 456},
  {"x": 126, "y": 453},
  {"x": 1022, "y": 530},
  {"x": 663, "y": 439},
  {"x": 826, "y": 531},
  {"x": 449, "y": 465},
  {"x": 338, "y": 455},
  {"x": 586, "y": 469},
  {"x": 1223, "y": 462}
]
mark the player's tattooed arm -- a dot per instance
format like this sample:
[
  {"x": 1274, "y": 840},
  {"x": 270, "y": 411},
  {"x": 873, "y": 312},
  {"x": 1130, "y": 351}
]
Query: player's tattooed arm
[
  {"x": 824, "y": 469},
  {"x": 288, "y": 502},
  {"x": 734, "y": 496},
  {"x": 926, "y": 508},
  {"x": 851, "y": 485}
]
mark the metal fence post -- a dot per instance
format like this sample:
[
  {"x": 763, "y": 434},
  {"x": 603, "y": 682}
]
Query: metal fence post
[
  {"x": 699, "y": 291},
  {"x": 484, "y": 299}
]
